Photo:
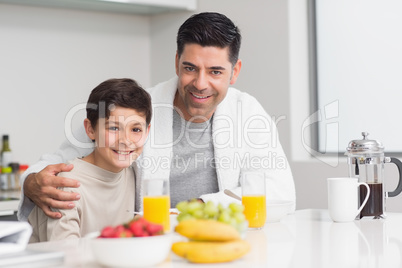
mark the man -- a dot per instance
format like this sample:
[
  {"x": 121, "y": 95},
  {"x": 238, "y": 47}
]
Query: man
[{"x": 204, "y": 132}]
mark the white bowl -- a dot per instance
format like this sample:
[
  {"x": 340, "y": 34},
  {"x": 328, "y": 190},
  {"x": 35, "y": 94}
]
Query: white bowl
[
  {"x": 133, "y": 251},
  {"x": 278, "y": 209}
]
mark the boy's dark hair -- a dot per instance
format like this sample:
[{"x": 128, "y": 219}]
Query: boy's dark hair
[
  {"x": 210, "y": 29},
  {"x": 122, "y": 92}
]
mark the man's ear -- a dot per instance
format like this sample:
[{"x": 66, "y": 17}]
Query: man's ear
[
  {"x": 236, "y": 71},
  {"x": 89, "y": 129},
  {"x": 177, "y": 63}
]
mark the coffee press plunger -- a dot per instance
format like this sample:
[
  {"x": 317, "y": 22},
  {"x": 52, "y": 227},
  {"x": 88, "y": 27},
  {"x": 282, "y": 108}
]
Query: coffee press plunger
[{"x": 366, "y": 162}]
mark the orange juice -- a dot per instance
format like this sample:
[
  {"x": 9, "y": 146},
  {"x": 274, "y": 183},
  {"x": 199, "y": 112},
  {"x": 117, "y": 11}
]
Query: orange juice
[
  {"x": 254, "y": 210},
  {"x": 156, "y": 210}
]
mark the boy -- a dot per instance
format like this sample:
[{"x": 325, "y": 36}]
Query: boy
[{"x": 118, "y": 119}]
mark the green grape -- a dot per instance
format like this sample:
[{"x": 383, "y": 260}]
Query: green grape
[
  {"x": 184, "y": 217},
  {"x": 182, "y": 206},
  {"x": 227, "y": 211},
  {"x": 224, "y": 217},
  {"x": 194, "y": 206},
  {"x": 234, "y": 207},
  {"x": 233, "y": 222},
  {"x": 220, "y": 207},
  {"x": 198, "y": 214},
  {"x": 239, "y": 217},
  {"x": 211, "y": 210},
  {"x": 233, "y": 214}
]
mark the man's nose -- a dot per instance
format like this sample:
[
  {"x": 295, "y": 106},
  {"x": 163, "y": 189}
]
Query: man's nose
[{"x": 201, "y": 81}]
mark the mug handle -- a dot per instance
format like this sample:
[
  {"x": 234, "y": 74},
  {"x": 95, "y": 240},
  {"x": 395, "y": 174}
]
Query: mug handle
[
  {"x": 366, "y": 198},
  {"x": 398, "y": 189}
]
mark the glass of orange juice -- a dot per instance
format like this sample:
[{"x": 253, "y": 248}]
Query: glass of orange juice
[
  {"x": 156, "y": 202},
  {"x": 253, "y": 198}
]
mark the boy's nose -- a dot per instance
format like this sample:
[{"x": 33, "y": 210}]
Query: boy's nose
[{"x": 124, "y": 138}]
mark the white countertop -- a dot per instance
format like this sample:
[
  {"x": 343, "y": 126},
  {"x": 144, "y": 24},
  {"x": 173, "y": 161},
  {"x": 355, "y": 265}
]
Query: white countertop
[{"x": 307, "y": 238}]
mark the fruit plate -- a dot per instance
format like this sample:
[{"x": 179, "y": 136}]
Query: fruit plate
[{"x": 131, "y": 251}]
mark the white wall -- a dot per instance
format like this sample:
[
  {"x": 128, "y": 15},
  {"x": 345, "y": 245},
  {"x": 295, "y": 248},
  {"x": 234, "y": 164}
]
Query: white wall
[
  {"x": 311, "y": 168},
  {"x": 50, "y": 61}
]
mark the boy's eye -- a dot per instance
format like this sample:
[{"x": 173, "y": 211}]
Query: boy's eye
[
  {"x": 137, "y": 130},
  {"x": 114, "y": 128}
]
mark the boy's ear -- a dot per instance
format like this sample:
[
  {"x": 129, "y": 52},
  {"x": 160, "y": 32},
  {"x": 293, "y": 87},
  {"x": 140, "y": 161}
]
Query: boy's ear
[
  {"x": 147, "y": 132},
  {"x": 89, "y": 129},
  {"x": 148, "y": 128}
]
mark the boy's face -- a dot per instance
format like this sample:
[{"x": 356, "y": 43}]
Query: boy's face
[{"x": 119, "y": 139}]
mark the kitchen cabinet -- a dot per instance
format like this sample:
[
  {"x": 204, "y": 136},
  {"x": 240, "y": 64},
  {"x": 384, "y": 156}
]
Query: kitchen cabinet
[{"x": 144, "y": 7}]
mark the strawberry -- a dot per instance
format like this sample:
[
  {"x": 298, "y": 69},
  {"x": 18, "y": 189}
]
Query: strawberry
[
  {"x": 122, "y": 231},
  {"x": 136, "y": 227},
  {"x": 141, "y": 220},
  {"x": 108, "y": 232},
  {"x": 126, "y": 233},
  {"x": 119, "y": 231},
  {"x": 145, "y": 233},
  {"x": 154, "y": 229}
]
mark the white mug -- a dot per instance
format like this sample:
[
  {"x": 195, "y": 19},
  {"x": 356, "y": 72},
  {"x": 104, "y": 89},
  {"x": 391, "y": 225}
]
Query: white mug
[{"x": 343, "y": 198}]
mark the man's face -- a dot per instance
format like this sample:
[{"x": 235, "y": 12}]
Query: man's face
[{"x": 205, "y": 74}]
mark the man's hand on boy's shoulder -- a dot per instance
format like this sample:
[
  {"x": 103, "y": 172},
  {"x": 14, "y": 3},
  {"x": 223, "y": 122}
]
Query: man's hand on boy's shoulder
[{"x": 41, "y": 188}]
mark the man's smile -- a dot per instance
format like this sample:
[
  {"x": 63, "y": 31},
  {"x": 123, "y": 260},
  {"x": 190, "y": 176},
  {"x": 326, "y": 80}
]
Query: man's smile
[{"x": 198, "y": 96}]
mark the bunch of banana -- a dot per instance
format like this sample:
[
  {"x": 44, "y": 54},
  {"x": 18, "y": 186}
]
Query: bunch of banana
[{"x": 210, "y": 242}]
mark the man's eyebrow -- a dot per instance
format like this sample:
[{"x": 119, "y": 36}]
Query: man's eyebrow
[
  {"x": 217, "y": 68},
  {"x": 212, "y": 67},
  {"x": 188, "y": 63}
]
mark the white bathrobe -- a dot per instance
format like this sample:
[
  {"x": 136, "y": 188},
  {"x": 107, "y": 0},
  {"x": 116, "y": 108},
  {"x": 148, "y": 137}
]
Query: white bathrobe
[{"x": 244, "y": 137}]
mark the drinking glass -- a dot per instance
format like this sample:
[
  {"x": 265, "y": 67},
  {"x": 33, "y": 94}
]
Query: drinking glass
[
  {"x": 156, "y": 202},
  {"x": 253, "y": 198}
]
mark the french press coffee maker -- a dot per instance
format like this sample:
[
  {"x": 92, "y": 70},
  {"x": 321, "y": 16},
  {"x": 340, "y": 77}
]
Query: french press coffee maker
[{"x": 366, "y": 162}]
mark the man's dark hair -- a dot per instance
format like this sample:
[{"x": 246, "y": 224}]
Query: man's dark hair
[
  {"x": 123, "y": 92},
  {"x": 210, "y": 29}
]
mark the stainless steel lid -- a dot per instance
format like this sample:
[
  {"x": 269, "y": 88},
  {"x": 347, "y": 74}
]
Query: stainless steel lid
[{"x": 364, "y": 146}]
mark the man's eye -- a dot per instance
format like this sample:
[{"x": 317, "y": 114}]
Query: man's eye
[
  {"x": 216, "y": 72},
  {"x": 190, "y": 69}
]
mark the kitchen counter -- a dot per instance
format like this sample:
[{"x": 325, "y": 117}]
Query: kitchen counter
[
  {"x": 307, "y": 238},
  {"x": 9, "y": 201}
]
